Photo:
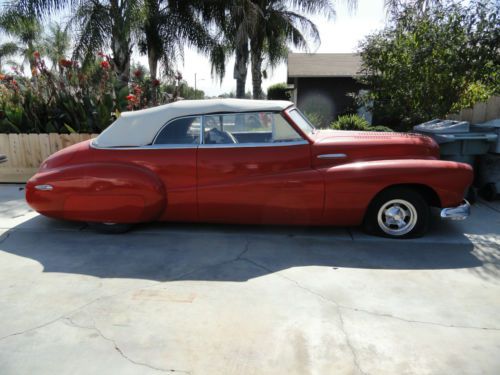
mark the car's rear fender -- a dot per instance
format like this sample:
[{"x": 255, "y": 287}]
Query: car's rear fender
[
  {"x": 349, "y": 188},
  {"x": 98, "y": 192}
]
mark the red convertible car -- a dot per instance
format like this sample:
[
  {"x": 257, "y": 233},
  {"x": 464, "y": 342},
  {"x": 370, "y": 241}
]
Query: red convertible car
[{"x": 248, "y": 162}]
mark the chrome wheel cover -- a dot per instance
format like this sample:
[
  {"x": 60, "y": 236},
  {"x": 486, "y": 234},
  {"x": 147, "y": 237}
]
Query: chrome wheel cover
[{"x": 397, "y": 217}]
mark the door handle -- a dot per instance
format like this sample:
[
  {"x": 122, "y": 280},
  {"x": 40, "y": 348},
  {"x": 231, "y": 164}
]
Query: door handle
[{"x": 332, "y": 156}]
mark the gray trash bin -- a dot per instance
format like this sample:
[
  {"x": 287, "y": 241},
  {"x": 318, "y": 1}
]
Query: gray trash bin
[
  {"x": 488, "y": 176},
  {"x": 489, "y": 164},
  {"x": 492, "y": 126},
  {"x": 456, "y": 141}
]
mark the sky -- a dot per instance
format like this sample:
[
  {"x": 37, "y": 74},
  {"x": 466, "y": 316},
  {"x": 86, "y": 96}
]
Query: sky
[{"x": 339, "y": 35}]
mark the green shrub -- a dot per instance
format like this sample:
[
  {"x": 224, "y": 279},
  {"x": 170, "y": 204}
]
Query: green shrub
[
  {"x": 474, "y": 93},
  {"x": 350, "y": 122},
  {"x": 279, "y": 91},
  {"x": 424, "y": 64},
  {"x": 380, "y": 128},
  {"x": 355, "y": 122}
]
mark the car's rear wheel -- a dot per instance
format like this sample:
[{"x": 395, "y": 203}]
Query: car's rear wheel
[
  {"x": 398, "y": 213},
  {"x": 111, "y": 228}
]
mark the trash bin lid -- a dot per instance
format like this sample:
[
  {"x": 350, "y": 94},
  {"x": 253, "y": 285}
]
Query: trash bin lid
[
  {"x": 447, "y": 138},
  {"x": 438, "y": 126},
  {"x": 490, "y": 124}
]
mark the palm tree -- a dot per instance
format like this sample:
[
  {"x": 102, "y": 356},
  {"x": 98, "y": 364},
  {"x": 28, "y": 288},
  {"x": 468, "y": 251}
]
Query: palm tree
[
  {"x": 56, "y": 44},
  {"x": 25, "y": 32},
  {"x": 259, "y": 29},
  {"x": 106, "y": 24},
  {"x": 99, "y": 25},
  {"x": 161, "y": 29},
  {"x": 166, "y": 27},
  {"x": 236, "y": 21},
  {"x": 282, "y": 23}
]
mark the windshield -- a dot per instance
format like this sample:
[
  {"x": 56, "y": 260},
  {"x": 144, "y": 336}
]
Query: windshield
[{"x": 301, "y": 121}]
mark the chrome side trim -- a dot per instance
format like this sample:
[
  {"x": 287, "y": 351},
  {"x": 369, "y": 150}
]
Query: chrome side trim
[
  {"x": 204, "y": 145},
  {"x": 331, "y": 156},
  {"x": 247, "y": 145},
  {"x": 146, "y": 147},
  {"x": 461, "y": 212},
  {"x": 44, "y": 187}
]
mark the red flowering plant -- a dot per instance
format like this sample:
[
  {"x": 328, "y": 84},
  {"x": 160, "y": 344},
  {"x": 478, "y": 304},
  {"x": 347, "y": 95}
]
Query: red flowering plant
[
  {"x": 64, "y": 99},
  {"x": 145, "y": 90},
  {"x": 72, "y": 97}
]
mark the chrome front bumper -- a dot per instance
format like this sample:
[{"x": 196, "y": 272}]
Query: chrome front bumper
[{"x": 461, "y": 212}]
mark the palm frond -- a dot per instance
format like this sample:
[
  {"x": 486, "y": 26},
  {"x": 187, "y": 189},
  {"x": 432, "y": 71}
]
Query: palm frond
[
  {"x": 40, "y": 8},
  {"x": 8, "y": 49},
  {"x": 93, "y": 25}
]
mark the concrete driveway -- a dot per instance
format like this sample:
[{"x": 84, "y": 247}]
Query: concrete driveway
[{"x": 207, "y": 299}]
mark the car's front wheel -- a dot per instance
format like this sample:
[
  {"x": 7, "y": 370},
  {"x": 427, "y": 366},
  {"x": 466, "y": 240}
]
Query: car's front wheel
[{"x": 398, "y": 213}]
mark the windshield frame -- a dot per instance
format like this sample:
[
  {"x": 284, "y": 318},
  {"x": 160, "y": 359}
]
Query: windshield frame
[{"x": 306, "y": 130}]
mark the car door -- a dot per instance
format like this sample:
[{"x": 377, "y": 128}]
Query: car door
[
  {"x": 172, "y": 156},
  {"x": 255, "y": 168}
]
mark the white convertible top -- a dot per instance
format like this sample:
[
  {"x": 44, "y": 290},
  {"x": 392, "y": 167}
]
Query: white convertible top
[{"x": 138, "y": 128}]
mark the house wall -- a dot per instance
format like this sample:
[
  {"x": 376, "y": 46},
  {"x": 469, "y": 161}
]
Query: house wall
[{"x": 326, "y": 95}]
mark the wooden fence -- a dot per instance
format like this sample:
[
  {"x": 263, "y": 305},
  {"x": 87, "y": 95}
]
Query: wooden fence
[
  {"x": 25, "y": 152},
  {"x": 481, "y": 112}
]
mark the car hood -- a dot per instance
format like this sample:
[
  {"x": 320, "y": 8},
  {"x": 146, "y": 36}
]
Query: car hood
[{"x": 364, "y": 146}]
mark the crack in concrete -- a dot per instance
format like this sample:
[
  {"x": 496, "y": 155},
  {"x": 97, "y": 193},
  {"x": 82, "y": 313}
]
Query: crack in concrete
[
  {"x": 385, "y": 315},
  {"x": 63, "y": 316},
  {"x": 349, "y": 231},
  {"x": 337, "y": 306},
  {"x": 238, "y": 257},
  {"x": 78, "y": 309},
  {"x": 341, "y": 307},
  {"x": 120, "y": 351},
  {"x": 31, "y": 328}
]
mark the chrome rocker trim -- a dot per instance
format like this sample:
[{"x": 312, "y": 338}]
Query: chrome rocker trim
[{"x": 461, "y": 212}]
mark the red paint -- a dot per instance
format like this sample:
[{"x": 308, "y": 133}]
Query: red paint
[{"x": 250, "y": 185}]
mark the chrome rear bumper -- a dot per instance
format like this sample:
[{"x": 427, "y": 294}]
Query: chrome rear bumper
[{"x": 461, "y": 212}]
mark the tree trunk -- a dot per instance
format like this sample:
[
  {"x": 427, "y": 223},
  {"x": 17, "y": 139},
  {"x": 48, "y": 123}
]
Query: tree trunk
[
  {"x": 121, "y": 58},
  {"x": 151, "y": 30},
  {"x": 120, "y": 43},
  {"x": 153, "y": 42},
  {"x": 153, "y": 64},
  {"x": 153, "y": 69},
  {"x": 240, "y": 69},
  {"x": 256, "y": 57}
]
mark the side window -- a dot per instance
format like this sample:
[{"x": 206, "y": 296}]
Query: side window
[
  {"x": 254, "y": 127},
  {"x": 283, "y": 131},
  {"x": 182, "y": 131}
]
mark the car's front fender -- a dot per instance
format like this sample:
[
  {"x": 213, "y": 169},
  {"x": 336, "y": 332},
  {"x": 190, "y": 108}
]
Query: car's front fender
[{"x": 349, "y": 188}]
